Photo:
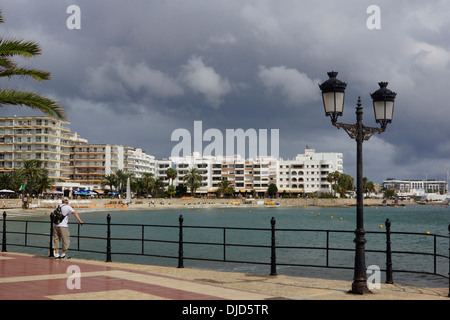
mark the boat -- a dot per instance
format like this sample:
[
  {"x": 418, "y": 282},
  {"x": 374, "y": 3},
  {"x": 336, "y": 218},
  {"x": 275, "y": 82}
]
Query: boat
[
  {"x": 446, "y": 201},
  {"x": 271, "y": 204}
]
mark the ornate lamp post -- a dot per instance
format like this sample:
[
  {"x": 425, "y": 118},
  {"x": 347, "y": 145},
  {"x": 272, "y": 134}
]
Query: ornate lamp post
[{"x": 333, "y": 91}]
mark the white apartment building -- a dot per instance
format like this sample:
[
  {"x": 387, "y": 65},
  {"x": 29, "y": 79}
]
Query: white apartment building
[
  {"x": 161, "y": 167},
  {"x": 416, "y": 187},
  {"x": 139, "y": 162},
  {"x": 42, "y": 138},
  {"x": 307, "y": 173},
  {"x": 73, "y": 163},
  {"x": 90, "y": 162}
]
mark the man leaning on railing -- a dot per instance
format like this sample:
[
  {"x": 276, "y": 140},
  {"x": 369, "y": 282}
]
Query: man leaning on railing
[{"x": 61, "y": 230}]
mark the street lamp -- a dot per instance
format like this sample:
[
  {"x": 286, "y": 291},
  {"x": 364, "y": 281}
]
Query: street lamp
[{"x": 333, "y": 92}]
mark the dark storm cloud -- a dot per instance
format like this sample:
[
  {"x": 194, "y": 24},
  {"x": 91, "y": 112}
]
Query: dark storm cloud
[{"x": 137, "y": 70}]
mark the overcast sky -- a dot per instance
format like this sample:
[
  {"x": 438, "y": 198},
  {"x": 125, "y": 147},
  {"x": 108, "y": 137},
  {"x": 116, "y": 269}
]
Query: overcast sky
[{"x": 139, "y": 69}]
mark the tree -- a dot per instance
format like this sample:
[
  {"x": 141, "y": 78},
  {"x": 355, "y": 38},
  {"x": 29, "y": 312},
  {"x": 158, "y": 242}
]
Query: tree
[
  {"x": 5, "y": 181},
  {"x": 158, "y": 185},
  {"x": 110, "y": 180},
  {"x": 193, "y": 179},
  {"x": 389, "y": 193},
  {"x": 44, "y": 184},
  {"x": 10, "y": 48},
  {"x": 122, "y": 177},
  {"x": 16, "y": 179},
  {"x": 333, "y": 178},
  {"x": 272, "y": 189},
  {"x": 33, "y": 174},
  {"x": 147, "y": 182},
  {"x": 180, "y": 190},
  {"x": 368, "y": 186},
  {"x": 171, "y": 174},
  {"x": 35, "y": 177},
  {"x": 171, "y": 190},
  {"x": 225, "y": 188},
  {"x": 344, "y": 184}
]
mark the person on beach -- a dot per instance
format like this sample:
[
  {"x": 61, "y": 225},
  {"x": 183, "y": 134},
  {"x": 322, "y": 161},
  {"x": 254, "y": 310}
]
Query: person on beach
[{"x": 61, "y": 230}]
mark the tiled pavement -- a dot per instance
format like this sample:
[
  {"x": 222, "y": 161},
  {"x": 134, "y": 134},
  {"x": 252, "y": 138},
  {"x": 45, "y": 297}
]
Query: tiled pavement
[{"x": 28, "y": 277}]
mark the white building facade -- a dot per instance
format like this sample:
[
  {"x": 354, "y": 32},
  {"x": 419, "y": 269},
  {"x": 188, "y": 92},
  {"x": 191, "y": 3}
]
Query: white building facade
[
  {"x": 416, "y": 187},
  {"x": 73, "y": 163},
  {"x": 306, "y": 173}
]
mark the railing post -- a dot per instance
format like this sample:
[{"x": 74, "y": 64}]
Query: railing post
[
  {"x": 4, "y": 232},
  {"x": 328, "y": 248},
  {"x": 51, "y": 254},
  {"x": 180, "y": 243},
  {"x": 224, "y": 244},
  {"x": 389, "y": 278},
  {"x": 273, "y": 258},
  {"x": 449, "y": 260},
  {"x": 108, "y": 238}
]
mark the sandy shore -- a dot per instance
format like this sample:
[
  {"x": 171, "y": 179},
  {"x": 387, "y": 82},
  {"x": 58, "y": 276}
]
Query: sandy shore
[{"x": 42, "y": 207}]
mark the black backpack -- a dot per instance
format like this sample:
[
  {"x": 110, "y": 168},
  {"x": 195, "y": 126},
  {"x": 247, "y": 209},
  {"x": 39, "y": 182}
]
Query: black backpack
[{"x": 58, "y": 216}]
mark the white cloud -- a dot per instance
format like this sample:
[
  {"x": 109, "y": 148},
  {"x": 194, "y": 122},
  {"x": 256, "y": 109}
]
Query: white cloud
[
  {"x": 117, "y": 78},
  {"x": 430, "y": 56},
  {"x": 205, "y": 81},
  {"x": 223, "y": 39},
  {"x": 295, "y": 86}
]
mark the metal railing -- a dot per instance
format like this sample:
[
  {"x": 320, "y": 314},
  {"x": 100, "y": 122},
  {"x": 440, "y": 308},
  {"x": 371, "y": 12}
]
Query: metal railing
[{"x": 270, "y": 245}]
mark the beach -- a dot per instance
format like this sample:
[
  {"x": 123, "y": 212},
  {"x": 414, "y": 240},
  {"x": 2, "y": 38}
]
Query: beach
[{"x": 42, "y": 207}]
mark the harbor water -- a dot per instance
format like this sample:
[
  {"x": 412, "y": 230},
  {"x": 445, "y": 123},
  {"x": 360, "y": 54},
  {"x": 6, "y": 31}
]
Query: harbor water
[{"x": 426, "y": 220}]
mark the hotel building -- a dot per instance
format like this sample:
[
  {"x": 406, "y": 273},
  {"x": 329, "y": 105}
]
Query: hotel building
[
  {"x": 73, "y": 163},
  {"x": 42, "y": 138},
  {"x": 306, "y": 173},
  {"x": 416, "y": 187}
]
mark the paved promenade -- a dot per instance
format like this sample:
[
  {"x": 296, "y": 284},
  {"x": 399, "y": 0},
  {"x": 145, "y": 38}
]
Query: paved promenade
[{"x": 29, "y": 277}]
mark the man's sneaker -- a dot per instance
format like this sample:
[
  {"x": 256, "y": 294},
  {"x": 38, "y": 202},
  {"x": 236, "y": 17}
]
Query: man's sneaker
[
  {"x": 56, "y": 255},
  {"x": 64, "y": 256}
]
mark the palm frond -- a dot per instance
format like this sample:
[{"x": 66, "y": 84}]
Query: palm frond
[
  {"x": 32, "y": 100},
  {"x": 36, "y": 74},
  {"x": 7, "y": 63},
  {"x": 13, "y": 47}
]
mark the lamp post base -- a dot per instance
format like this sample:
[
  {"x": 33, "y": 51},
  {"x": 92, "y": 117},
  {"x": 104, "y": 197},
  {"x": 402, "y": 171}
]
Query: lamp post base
[{"x": 359, "y": 288}]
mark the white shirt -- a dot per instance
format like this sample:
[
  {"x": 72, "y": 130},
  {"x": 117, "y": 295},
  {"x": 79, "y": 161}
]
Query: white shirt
[{"x": 65, "y": 210}]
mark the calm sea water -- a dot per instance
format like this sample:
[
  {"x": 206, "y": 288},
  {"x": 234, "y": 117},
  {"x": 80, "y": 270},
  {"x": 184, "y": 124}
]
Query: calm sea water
[{"x": 411, "y": 218}]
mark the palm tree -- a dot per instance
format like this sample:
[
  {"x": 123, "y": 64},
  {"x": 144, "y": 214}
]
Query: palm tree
[
  {"x": 33, "y": 175},
  {"x": 225, "y": 187},
  {"x": 10, "y": 48},
  {"x": 368, "y": 186},
  {"x": 345, "y": 183},
  {"x": 44, "y": 184},
  {"x": 171, "y": 190},
  {"x": 333, "y": 177},
  {"x": 147, "y": 182},
  {"x": 171, "y": 174},
  {"x": 122, "y": 177},
  {"x": 158, "y": 184},
  {"x": 110, "y": 180},
  {"x": 16, "y": 179},
  {"x": 193, "y": 179},
  {"x": 5, "y": 181}
]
